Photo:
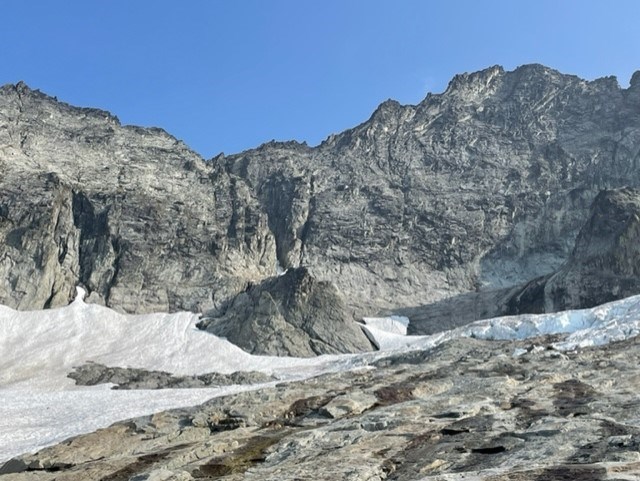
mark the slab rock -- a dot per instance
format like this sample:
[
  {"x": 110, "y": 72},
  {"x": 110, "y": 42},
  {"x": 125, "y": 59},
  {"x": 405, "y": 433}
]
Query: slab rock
[
  {"x": 289, "y": 315},
  {"x": 91, "y": 374},
  {"x": 469, "y": 409}
]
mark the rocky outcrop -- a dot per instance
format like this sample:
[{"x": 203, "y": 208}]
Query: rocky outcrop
[
  {"x": 290, "y": 315},
  {"x": 92, "y": 374},
  {"x": 132, "y": 214},
  {"x": 469, "y": 409}
]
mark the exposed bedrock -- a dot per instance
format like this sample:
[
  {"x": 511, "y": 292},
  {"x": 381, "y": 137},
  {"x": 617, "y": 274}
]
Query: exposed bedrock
[
  {"x": 133, "y": 214},
  {"x": 482, "y": 187},
  {"x": 469, "y": 409},
  {"x": 92, "y": 374}
]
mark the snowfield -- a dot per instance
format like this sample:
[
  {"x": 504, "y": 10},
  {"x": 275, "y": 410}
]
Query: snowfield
[{"x": 40, "y": 406}]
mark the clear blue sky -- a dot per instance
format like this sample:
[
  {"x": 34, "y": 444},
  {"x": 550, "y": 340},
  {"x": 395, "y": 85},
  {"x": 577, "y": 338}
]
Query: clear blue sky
[{"x": 229, "y": 75}]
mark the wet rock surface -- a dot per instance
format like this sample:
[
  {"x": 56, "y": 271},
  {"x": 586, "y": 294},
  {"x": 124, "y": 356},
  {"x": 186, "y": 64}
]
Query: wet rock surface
[
  {"x": 91, "y": 374},
  {"x": 469, "y": 409}
]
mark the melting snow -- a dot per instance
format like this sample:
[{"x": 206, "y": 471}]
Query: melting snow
[
  {"x": 600, "y": 325},
  {"x": 41, "y": 406}
]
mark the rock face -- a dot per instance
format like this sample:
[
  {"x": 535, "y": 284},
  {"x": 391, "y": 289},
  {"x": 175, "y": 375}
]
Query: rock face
[
  {"x": 470, "y": 409},
  {"x": 603, "y": 266},
  {"x": 132, "y": 214},
  {"x": 484, "y": 186},
  {"x": 289, "y": 315}
]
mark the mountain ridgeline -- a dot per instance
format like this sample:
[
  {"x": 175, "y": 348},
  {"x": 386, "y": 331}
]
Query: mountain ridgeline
[{"x": 470, "y": 194}]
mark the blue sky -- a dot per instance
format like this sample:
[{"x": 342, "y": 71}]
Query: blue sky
[{"x": 229, "y": 75}]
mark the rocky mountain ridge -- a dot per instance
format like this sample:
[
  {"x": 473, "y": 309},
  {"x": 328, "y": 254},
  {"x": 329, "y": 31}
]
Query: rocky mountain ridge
[{"x": 483, "y": 186}]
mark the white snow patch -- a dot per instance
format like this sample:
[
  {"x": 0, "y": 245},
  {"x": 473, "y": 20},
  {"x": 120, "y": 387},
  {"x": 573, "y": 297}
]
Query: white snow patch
[
  {"x": 41, "y": 347},
  {"x": 279, "y": 269},
  {"x": 31, "y": 419},
  {"x": 41, "y": 406},
  {"x": 392, "y": 324},
  {"x": 519, "y": 352}
]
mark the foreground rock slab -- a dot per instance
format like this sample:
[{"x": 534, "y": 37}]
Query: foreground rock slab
[{"x": 470, "y": 409}]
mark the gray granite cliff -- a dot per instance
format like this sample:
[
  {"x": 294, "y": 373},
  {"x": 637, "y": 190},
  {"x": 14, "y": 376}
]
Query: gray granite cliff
[
  {"x": 132, "y": 214},
  {"x": 603, "y": 266},
  {"x": 482, "y": 187}
]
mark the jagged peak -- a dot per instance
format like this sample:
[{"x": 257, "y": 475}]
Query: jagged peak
[
  {"x": 483, "y": 78},
  {"x": 21, "y": 88},
  {"x": 542, "y": 71},
  {"x": 389, "y": 106},
  {"x": 388, "y": 109},
  {"x": 284, "y": 144},
  {"x": 217, "y": 158},
  {"x": 463, "y": 80},
  {"x": 24, "y": 91},
  {"x": 609, "y": 82},
  {"x": 535, "y": 68}
]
